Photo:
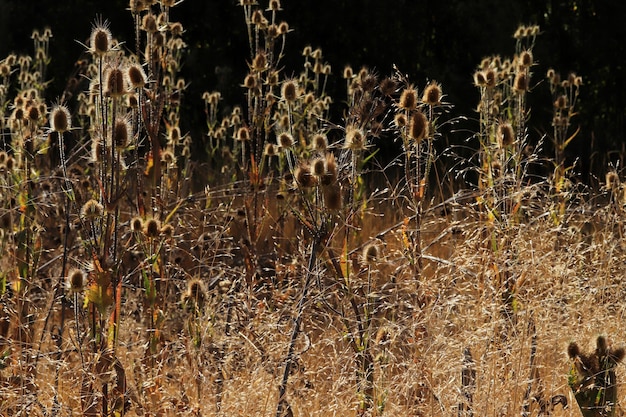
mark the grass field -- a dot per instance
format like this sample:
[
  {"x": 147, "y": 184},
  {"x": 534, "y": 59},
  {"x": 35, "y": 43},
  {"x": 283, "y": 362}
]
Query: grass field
[{"x": 276, "y": 265}]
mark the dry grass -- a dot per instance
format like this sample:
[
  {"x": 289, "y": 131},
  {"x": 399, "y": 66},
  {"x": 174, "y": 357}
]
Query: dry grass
[{"x": 277, "y": 265}]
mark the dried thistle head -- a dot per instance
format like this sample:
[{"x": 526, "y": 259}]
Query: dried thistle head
[
  {"x": 152, "y": 228},
  {"x": 432, "y": 94},
  {"x": 92, "y": 210},
  {"x": 60, "y": 119},
  {"x": 355, "y": 139},
  {"x": 76, "y": 281},
  {"x": 418, "y": 126},
  {"x": 408, "y": 99},
  {"x": 101, "y": 40}
]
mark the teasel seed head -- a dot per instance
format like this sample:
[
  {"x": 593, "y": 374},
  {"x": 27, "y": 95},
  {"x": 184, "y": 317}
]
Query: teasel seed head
[
  {"x": 400, "y": 120},
  {"x": 101, "y": 39},
  {"x": 520, "y": 84},
  {"x": 92, "y": 210},
  {"x": 121, "y": 133},
  {"x": 573, "y": 351},
  {"x": 418, "y": 126},
  {"x": 259, "y": 63},
  {"x": 330, "y": 170},
  {"x": 136, "y": 224},
  {"x": 612, "y": 181},
  {"x": 319, "y": 142},
  {"x": 243, "y": 134},
  {"x": 496, "y": 169},
  {"x": 285, "y": 140},
  {"x": 283, "y": 28},
  {"x": 432, "y": 94},
  {"x": 151, "y": 228},
  {"x": 136, "y": 76},
  {"x": 491, "y": 78},
  {"x": 505, "y": 134},
  {"x": 114, "y": 82},
  {"x": 371, "y": 253},
  {"x": 274, "y": 6},
  {"x": 76, "y": 281},
  {"x": 479, "y": 79},
  {"x": 195, "y": 294},
  {"x": 408, "y": 99},
  {"x": 167, "y": 230},
  {"x": 602, "y": 347},
  {"x": 60, "y": 119},
  {"x": 270, "y": 149},
  {"x": 318, "y": 167},
  {"x": 526, "y": 58},
  {"x": 304, "y": 177},
  {"x": 149, "y": 23},
  {"x": 289, "y": 91},
  {"x": 355, "y": 139}
]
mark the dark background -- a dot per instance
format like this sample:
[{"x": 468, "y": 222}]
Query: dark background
[{"x": 427, "y": 39}]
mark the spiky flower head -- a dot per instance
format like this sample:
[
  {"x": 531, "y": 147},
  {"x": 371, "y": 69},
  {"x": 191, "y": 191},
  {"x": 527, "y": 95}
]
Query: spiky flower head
[
  {"x": 136, "y": 224},
  {"x": 60, "y": 119},
  {"x": 319, "y": 142},
  {"x": 289, "y": 91},
  {"x": 432, "y": 94},
  {"x": 418, "y": 126},
  {"x": 355, "y": 139},
  {"x": 136, "y": 76},
  {"x": 76, "y": 281},
  {"x": 92, "y": 210},
  {"x": 101, "y": 39},
  {"x": 285, "y": 140},
  {"x": 152, "y": 228},
  {"x": 371, "y": 253},
  {"x": 505, "y": 134},
  {"x": 114, "y": 82},
  {"x": 121, "y": 133},
  {"x": 408, "y": 99}
]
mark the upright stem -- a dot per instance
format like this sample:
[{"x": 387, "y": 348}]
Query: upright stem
[{"x": 296, "y": 326}]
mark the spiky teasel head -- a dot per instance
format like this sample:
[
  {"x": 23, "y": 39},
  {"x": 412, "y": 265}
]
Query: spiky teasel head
[
  {"x": 355, "y": 139},
  {"x": 92, "y": 210},
  {"x": 76, "y": 281},
  {"x": 60, "y": 119},
  {"x": 371, "y": 254},
  {"x": 195, "y": 295},
  {"x": 100, "y": 41},
  {"x": 521, "y": 81},
  {"x": 505, "y": 134},
  {"x": 418, "y": 126},
  {"x": 408, "y": 99},
  {"x": 432, "y": 94},
  {"x": 304, "y": 177},
  {"x": 318, "y": 167},
  {"x": 243, "y": 134},
  {"x": 152, "y": 228},
  {"x": 149, "y": 23},
  {"x": 114, "y": 85},
  {"x": 122, "y": 132},
  {"x": 136, "y": 224},
  {"x": 136, "y": 76},
  {"x": 319, "y": 142},
  {"x": 612, "y": 181},
  {"x": 400, "y": 120},
  {"x": 289, "y": 91},
  {"x": 525, "y": 58},
  {"x": 285, "y": 140}
]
